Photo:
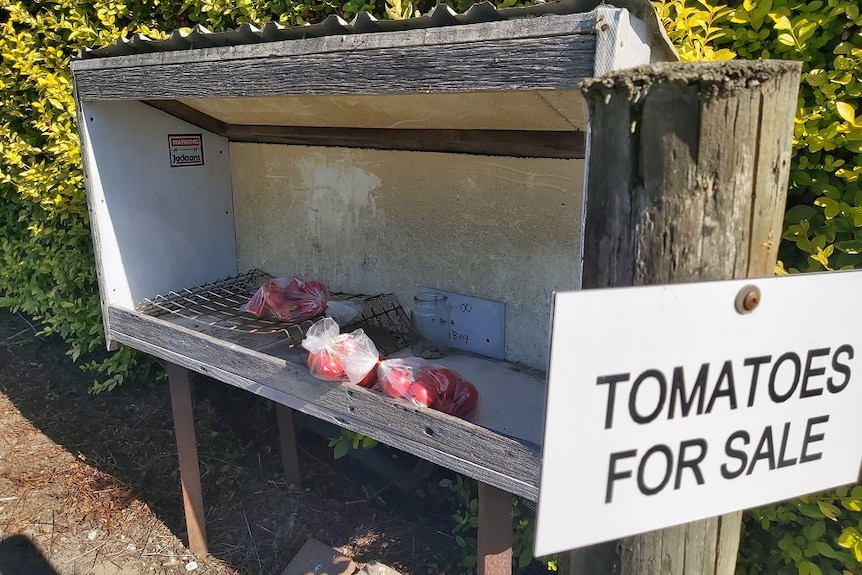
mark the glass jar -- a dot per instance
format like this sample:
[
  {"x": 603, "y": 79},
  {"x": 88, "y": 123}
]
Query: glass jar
[{"x": 429, "y": 322}]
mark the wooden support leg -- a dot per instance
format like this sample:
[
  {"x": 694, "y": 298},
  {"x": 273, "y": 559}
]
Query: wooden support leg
[
  {"x": 187, "y": 451},
  {"x": 287, "y": 436},
  {"x": 495, "y": 531}
]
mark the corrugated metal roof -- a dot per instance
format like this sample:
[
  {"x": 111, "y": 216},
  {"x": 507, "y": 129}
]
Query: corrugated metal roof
[{"x": 441, "y": 15}]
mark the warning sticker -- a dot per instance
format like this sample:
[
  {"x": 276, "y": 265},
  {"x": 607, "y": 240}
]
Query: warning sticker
[{"x": 186, "y": 150}]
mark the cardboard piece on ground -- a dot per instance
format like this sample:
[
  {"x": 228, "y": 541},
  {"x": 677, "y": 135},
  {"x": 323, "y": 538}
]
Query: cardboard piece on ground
[{"x": 315, "y": 558}]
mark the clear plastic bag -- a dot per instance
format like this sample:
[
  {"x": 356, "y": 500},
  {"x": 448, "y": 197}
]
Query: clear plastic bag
[
  {"x": 336, "y": 356},
  {"x": 296, "y": 299},
  {"x": 428, "y": 384}
]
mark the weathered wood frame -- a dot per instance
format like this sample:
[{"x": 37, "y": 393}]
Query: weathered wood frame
[
  {"x": 506, "y": 463},
  {"x": 531, "y": 143},
  {"x": 547, "y": 53}
]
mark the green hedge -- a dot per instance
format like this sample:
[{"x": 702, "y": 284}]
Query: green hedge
[{"x": 823, "y": 222}]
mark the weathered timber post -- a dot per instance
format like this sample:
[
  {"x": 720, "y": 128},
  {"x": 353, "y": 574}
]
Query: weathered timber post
[{"x": 687, "y": 176}]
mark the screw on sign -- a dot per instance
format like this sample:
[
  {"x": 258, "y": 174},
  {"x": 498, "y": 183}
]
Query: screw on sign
[{"x": 748, "y": 299}]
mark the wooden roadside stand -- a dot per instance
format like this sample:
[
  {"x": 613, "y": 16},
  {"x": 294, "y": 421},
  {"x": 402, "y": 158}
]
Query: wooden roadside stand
[{"x": 446, "y": 151}]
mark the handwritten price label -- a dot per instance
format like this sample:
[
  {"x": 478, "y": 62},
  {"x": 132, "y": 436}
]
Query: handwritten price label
[{"x": 477, "y": 325}]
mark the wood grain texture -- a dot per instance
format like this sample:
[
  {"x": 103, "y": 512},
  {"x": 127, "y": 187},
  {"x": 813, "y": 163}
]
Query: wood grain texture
[
  {"x": 687, "y": 177},
  {"x": 187, "y": 451},
  {"x": 518, "y": 64},
  {"x": 494, "y": 538},
  {"x": 728, "y": 542},
  {"x": 546, "y": 26},
  {"x": 508, "y": 464},
  {"x": 511, "y": 143}
]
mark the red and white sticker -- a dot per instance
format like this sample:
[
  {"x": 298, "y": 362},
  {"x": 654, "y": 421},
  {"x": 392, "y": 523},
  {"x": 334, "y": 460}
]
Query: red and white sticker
[{"x": 186, "y": 150}]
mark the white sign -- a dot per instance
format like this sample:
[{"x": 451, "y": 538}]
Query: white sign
[
  {"x": 186, "y": 150},
  {"x": 666, "y": 405}
]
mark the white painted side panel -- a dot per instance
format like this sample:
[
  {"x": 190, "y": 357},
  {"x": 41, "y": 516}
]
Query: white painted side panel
[
  {"x": 621, "y": 40},
  {"x": 156, "y": 228}
]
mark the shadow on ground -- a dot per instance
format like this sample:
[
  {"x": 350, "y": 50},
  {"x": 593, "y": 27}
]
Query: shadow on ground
[
  {"x": 254, "y": 519},
  {"x": 18, "y": 555}
]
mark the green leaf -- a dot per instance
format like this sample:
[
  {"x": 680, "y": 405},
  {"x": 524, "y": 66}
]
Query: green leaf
[
  {"x": 340, "y": 450},
  {"x": 798, "y": 213},
  {"x": 849, "y": 246},
  {"x": 782, "y": 22},
  {"x": 524, "y": 558},
  {"x": 368, "y": 442},
  {"x": 818, "y": 530},
  {"x": 810, "y": 510},
  {"x": 830, "y": 207},
  {"x": 787, "y": 39},
  {"x": 795, "y": 553},
  {"x": 828, "y": 509},
  {"x": 825, "y": 549},
  {"x": 846, "y": 111},
  {"x": 800, "y": 178}
]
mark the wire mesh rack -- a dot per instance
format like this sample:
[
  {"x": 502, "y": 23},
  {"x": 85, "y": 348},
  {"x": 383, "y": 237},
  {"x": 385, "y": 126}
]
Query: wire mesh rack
[{"x": 217, "y": 305}]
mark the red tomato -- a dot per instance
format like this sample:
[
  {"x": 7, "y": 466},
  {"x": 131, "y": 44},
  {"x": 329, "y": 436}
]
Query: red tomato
[
  {"x": 324, "y": 365},
  {"x": 307, "y": 309},
  {"x": 396, "y": 381},
  {"x": 443, "y": 404},
  {"x": 347, "y": 349},
  {"x": 370, "y": 379},
  {"x": 444, "y": 380},
  {"x": 421, "y": 392},
  {"x": 289, "y": 299},
  {"x": 257, "y": 304},
  {"x": 465, "y": 400}
]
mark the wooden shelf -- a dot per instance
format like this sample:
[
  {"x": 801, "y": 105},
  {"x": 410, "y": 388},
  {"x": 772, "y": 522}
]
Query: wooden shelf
[{"x": 501, "y": 447}]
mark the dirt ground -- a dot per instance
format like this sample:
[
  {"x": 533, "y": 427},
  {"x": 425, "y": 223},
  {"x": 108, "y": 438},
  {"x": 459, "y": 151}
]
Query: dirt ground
[{"x": 89, "y": 484}]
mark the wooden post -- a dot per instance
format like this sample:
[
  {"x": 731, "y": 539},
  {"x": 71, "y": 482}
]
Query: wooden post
[
  {"x": 687, "y": 177},
  {"x": 494, "y": 539},
  {"x": 287, "y": 438},
  {"x": 187, "y": 452}
]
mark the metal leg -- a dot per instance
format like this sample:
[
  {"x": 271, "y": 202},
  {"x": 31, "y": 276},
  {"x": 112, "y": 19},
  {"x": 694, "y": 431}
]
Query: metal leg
[
  {"x": 287, "y": 436},
  {"x": 187, "y": 451},
  {"x": 495, "y": 531}
]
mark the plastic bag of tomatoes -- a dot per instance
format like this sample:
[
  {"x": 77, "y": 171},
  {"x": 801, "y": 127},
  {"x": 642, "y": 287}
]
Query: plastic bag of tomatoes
[
  {"x": 336, "y": 356},
  {"x": 296, "y": 299},
  {"x": 429, "y": 384}
]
